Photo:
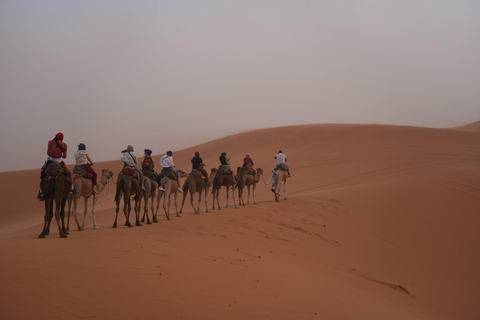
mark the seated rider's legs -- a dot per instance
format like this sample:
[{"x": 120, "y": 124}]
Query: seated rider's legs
[
  {"x": 233, "y": 174},
  {"x": 202, "y": 170},
  {"x": 140, "y": 177},
  {"x": 279, "y": 166},
  {"x": 177, "y": 176},
  {"x": 90, "y": 170}
]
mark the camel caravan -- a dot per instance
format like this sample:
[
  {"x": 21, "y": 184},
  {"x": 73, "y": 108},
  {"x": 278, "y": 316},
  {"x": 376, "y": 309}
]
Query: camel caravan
[{"x": 59, "y": 185}]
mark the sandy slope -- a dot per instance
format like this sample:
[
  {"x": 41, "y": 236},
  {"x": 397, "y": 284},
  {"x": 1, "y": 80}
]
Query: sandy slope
[{"x": 381, "y": 222}]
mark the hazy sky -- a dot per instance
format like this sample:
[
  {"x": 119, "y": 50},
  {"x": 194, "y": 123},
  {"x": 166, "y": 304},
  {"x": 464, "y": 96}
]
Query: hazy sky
[{"x": 170, "y": 74}]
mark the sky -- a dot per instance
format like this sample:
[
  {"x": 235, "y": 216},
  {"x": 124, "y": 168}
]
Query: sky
[{"x": 167, "y": 75}]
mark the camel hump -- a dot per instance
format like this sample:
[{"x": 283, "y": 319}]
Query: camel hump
[
  {"x": 167, "y": 173},
  {"x": 53, "y": 167},
  {"x": 224, "y": 170},
  {"x": 197, "y": 173},
  {"x": 128, "y": 171},
  {"x": 78, "y": 169}
]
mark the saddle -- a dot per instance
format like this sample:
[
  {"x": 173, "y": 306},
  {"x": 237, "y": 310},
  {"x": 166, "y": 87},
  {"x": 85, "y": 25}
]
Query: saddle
[
  {"x": 167, "y": 173},
  {"x": 224, "y": 170},
  {"x": 249, "y": 168},
  {"x": 197, "y": 173},
  {"x": 80, "y": 172},
  {"x": 128, "y": 171},
  {"x": 149, "y": 173},
  {"x": 49, "y": 166},
  {"x": 282, "y": 166}
]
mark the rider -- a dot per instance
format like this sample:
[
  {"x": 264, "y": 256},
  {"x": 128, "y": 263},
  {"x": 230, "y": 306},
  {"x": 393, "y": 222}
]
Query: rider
[
  {"x": 224, "y": 162},
  {"x": 281, "y": 161},
  {"x": 148, "y": 164},
  {"x": 130, "y": 160},
  {"x": 83, "y": 159},
  {"x": 56, "y": 151},
  {"x": 197, "y": 164},
  {"x": 248, "y": 161},
  {"x": 167, "y": 163}
]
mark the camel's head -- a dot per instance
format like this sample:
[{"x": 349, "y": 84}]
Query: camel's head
[
  {"x": 214, "y": 170},
  {"x": 182, "y": 174},
  {"x": 107, "y": 173},
  {"x": 259, "y": 170}
]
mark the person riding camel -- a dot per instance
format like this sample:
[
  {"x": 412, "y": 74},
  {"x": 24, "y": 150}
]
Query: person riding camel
[
  {"x": 56, "y": 151},
  {"x": 197, "y": 164},
  {"x": 281, "y": 162},
  {"x": 225, "y": 163},
  {"x": 167, "y": 163},
  {"x": 130, "y": 160},
  {"x": 248, "y": 162},
  {"x": 83, "y": 159},
  {"x": 148, "y": 165}
]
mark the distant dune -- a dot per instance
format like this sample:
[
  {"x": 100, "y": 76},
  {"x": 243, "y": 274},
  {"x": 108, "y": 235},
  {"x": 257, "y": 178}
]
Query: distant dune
[{"x": 381, "y": 222}]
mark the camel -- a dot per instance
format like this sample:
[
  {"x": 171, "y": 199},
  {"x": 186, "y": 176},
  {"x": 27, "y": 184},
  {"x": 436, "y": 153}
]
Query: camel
[
  {"x": 85, "y": 190},
  {"x": 56, "y": 188},
  {"x": 171, "y": 187},
  {"x": 220, "y": 180},
  {"x": 150, "y": 192},
  {"x": 244, "y": 179},
  {"x": 194, "y": 184},
  {"x": 279, "y": 177},
  {"x": 128, "y": 186}
]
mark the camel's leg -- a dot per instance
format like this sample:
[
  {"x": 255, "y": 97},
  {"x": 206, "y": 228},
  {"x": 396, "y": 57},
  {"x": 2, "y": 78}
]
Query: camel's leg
[
  {"x": 152, "y": 208},
  {"x": 145, "y": 210},
  {"x": 277, "y": 193},
  {"x": 241, "y": 201},
  {"x": 248, "y": 195},
  {"x": 253, "y": 193},
  {"x": 285, "y": 189},
  {"x": 199, "y": 201},
  {"x": 50, "y": 216},
  {"x": 94, "y": 201},
  {"x": 206, "y": 201},
  {"x": 166, "y": 204},
  {"x": 240, "y": 195},
  {"x": 176, "y": 206},
  {"x": 116, "y": 215},
  {"x": 69, "y": 203},
  {"x": 192, "y": 198},
  {"x": 127, "y": 208},
  {"x": 138, "y": 210},
  {"x": 85, "y": 208},
  {"x": 62, "y": 216},
  {"x": 213, "y": 199},
  {"x": 46, "y": 218},
  {"x": 227, "y": 193},
  {"x": 57, "y": 218},
  {"x": 217, "y": 196},
  {"x": 117, "y": 209},
  {"x": 159, "y": 198},
  {"x": 185, "y": 191},
  {"x": 233, "y": 195},
  {"x": 74, "y": 212}
]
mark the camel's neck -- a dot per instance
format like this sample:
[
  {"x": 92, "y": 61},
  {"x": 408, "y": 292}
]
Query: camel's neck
[
  {"x": 101, "y": 185},
  {"x": 211, "y": 177}
]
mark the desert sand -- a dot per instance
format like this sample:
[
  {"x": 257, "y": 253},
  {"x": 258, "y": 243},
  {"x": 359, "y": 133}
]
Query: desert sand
[{"x": 381, "y": 222}]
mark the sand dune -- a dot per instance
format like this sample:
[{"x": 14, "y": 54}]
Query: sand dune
[{"x": 381, "y": 222}]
